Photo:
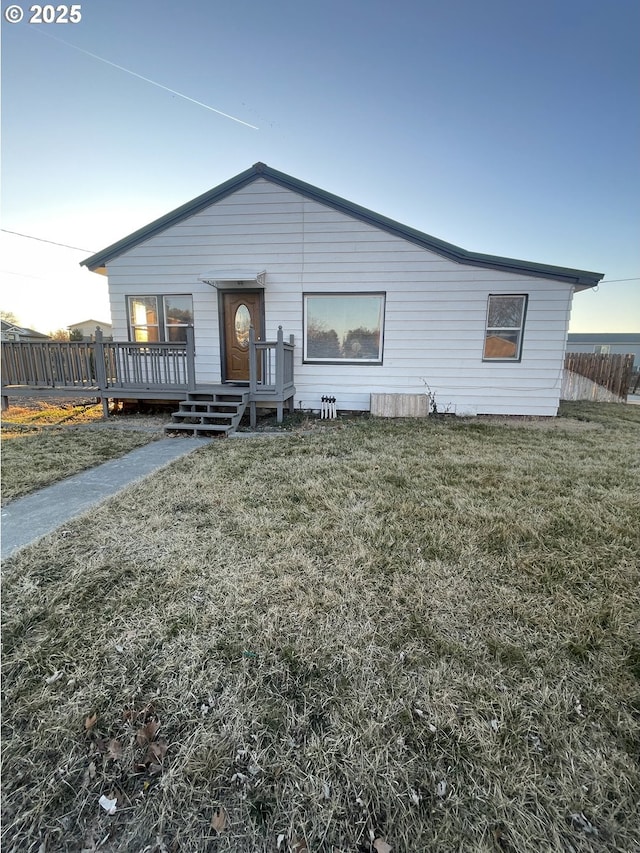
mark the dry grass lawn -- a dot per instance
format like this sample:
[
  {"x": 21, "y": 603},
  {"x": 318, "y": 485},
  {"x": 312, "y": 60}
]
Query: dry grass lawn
[
  {"x": 44, "y": 442},
  {"x": 417, "y": 636}
]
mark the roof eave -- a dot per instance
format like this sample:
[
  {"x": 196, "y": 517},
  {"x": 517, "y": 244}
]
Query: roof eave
[
  {"x": 580, "y": 279},
  {"x": 101, "y": 258}
]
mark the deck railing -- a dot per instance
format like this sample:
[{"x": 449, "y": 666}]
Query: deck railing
[
  {"x": 100, "y": 366},
  {"x": 270, "y": 364},
  {"x": 162, "y": 366},
  {"x": 49, "y": 364},
  {"x": 111, "y": 369}
]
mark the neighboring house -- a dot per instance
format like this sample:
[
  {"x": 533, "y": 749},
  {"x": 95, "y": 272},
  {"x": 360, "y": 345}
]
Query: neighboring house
[
  {"x": 607, "y": 343},
  {"x": 375, "y": 307},
  {"x": 88, "y": 329},
  {"x": 11, "y": 332}
]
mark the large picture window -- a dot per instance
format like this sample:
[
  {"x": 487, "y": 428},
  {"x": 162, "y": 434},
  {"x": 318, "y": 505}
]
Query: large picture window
[
  {"x": 160, "y": 318},
  {"x": 344, "y": 327},
  {"x": 505, "y": 327}
]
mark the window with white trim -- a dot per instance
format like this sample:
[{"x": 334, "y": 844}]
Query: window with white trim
[
  {"x": 344, "y": 327},
  {"x": 159, "y": 318},
  {"x": 504, "y": 327}
]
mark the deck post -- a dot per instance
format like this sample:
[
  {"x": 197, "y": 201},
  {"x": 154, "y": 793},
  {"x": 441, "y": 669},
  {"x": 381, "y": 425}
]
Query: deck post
[
  {"x": 253, "y": 371},
  {"x": 100, "y": 370},
  {"x": 279, "y": 373},
  {"x": 191, "y": 359},
  {"x": 253, "y": 377}
]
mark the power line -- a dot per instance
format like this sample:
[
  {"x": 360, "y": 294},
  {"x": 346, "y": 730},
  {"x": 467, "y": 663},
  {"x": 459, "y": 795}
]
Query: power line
[{"x": 42, "y": 240}]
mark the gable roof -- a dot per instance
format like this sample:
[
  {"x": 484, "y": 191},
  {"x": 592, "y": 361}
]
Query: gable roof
[
  {"x": 22, "y": 331},
  {"x": 581, "y": 279},
  {"x": 86, "y": 323}
]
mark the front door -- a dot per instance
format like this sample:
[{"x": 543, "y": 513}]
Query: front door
[{"x": 240, "y": 310}]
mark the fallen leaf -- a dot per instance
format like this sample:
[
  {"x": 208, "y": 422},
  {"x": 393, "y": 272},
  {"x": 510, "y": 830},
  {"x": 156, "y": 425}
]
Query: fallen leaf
[
  {"x": 114, "y": 748},
  {"x": 90, "y": 722},
  {"x": 299, "y": 846},
  {"x": 154, "y": 769},
  {"x": 156, "y": 752},
  {"x": 219, "y": 819},
  {"x": 381, "y": 846},
  {"x": 147, "y": 733},
  {"x": 108, "y": 805}
]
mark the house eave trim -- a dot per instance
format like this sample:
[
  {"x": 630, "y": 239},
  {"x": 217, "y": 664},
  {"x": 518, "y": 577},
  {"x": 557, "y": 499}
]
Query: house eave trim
[{"x": 580, "y": 279}]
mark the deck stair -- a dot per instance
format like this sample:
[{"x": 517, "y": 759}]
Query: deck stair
[{"x": 209, "y": 414}]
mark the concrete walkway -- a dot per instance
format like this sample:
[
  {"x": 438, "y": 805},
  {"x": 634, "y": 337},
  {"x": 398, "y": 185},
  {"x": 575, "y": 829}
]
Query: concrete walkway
[{"x": 27, "y": 519}]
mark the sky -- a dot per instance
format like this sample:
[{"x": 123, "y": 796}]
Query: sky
[{"x": 504, "y": 127}]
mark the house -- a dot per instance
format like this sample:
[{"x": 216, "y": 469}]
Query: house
[
  {"x": 606, "y": 343},
  {"x": 11, "y": 332},
  {"x": 87, "y": 330},
  {"x": 373, "y": 307}
]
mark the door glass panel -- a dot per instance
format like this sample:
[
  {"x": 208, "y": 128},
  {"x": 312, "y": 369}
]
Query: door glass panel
[{"x": 242, "y": 324}]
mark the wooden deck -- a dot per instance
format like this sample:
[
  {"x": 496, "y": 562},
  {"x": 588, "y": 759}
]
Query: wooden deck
[{"x": 114, "y": 370}]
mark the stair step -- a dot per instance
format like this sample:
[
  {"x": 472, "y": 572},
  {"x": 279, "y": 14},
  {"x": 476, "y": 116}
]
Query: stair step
[
  {"x": 209, "y": 413},
  {"x": 199, "y": 415},
  {"x": 199, "y": 429},
  {"x": 203, "y": 408},
  {"x": 217, "y": 398}
]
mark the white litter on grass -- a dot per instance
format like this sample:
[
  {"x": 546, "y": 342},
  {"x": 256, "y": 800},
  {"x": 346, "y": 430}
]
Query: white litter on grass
[
  {"x": 441, "y": 788},
  {"x": 581, "y": 822},
  {"x": 108, "y": 805},
  {"x": 57, "y": 675}
]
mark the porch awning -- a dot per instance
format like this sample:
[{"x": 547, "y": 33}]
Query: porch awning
[{"x": 218, "y": 278}]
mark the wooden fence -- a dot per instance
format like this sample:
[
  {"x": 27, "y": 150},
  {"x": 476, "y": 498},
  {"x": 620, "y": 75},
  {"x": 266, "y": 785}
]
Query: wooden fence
[{"x": 597, "y": 377}]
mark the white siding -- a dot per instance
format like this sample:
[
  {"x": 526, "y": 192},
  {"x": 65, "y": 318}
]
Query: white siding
[{"x": 435, "y": 308}]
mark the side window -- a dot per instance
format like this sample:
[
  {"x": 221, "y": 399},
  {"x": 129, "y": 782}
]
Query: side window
[
  {"x": 504, "y": 327},
  {"x": 178, "y": 314},
  {"x": 143, "y": 319},
  {"x": 164, "y": 319}
]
